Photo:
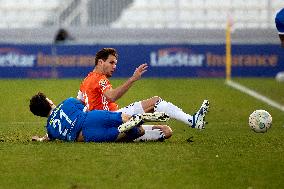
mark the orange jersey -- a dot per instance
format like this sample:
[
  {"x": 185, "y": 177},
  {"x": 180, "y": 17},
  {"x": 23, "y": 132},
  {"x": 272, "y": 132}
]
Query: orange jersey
[{"x": 92, "y": 92}]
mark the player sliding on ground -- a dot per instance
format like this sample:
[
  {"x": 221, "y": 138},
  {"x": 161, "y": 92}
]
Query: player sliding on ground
[
  {"x": 68, "y": 122},
  {"x": 96, "y": 93}
]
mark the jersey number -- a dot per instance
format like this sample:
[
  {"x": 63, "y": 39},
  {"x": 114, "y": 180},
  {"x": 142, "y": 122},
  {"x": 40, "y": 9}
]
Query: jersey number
[{"x": 57, "y": 123}]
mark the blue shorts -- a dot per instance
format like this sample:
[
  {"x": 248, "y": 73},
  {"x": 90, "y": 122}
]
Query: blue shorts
[{"x": 101, "y": 126}]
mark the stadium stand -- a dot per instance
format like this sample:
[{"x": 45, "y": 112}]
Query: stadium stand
[
  {"x": 27, "y": 13},
  {"x": 40, "y": 13},
  {"x": 136, "y": 21},
  {"x": 138, "y": 13},
  {"x": 198, "y": 13},
  {"x": 104, "y": 12}
]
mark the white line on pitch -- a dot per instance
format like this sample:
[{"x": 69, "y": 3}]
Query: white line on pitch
[{"x": 255, "y": 95}]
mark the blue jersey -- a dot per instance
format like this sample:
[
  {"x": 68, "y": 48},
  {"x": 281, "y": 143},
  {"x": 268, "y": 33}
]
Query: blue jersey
[
  {"x": 65, "y": 121},
  {"x": 68, "y": 119}
]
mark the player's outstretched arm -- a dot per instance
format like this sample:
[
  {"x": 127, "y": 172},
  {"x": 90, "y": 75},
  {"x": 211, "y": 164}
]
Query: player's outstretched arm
[
  {"x": 139, "y": 72},
  {"x": 41, "y": 139},
  {"x": 115, "y": 94}
]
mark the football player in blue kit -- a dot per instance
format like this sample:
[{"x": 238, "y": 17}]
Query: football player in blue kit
[
  {"x": 68, "y": 122},
  {"x": 279, "y": 21}
]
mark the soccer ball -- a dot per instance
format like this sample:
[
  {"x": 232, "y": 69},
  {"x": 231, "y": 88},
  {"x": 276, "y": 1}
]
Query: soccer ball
[{"x": 260, "y": 121}]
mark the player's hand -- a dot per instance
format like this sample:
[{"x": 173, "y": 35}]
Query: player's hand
[
  {"x": 139, "y": 71},
  {"x": 35, "y": 138},
  {"x": 40, "y": 139}
]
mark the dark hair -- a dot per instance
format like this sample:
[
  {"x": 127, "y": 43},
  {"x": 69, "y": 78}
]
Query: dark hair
[
  {"x": 39, "y": 105},
  {"x": 104, "y": 53}
]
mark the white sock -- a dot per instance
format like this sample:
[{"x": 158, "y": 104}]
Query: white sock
[
  {"x": 134, "y": 108},
  {"x": 147, "y": 127},
  {"x": 152, "y": 135},
  {"x": 173, "y": 111}
]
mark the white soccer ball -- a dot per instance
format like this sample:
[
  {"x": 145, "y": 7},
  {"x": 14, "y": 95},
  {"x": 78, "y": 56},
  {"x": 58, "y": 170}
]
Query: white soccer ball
[{"x": 260, "y": 121}]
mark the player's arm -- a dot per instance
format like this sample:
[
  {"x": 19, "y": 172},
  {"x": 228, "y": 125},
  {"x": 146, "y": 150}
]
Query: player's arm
[
  {"x": 41, "y": 139},
  {"x": 114, "y": 94}
]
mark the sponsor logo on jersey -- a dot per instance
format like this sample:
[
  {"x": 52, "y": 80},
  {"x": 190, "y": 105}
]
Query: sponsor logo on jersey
[{"x": 104, "y": 84}]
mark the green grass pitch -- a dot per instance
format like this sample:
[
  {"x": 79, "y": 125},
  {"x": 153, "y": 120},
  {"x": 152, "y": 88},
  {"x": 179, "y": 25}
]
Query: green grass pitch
[{"x": 227, "y": 154}]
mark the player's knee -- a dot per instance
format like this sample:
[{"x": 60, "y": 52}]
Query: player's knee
[
  {"x": 125, "y": 117},
  {"x": 156, "y": 99},
  {"x": 167, "y": 132},
  {"x": 149, "y": 104},
  {"x": 153, "y": 100},
  {"x": 141, "y": 131}
]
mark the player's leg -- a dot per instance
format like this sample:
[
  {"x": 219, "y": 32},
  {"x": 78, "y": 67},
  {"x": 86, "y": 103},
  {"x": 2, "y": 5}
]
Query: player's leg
[
  {"x": 156, "y": 104},
  {"x": 105, "y": 126},
  {"x": 149, "y": 132},
  {"x": 155, "y": 133},
  {"x": 129, "y": 122},
  {"x": 198, "y": 121},
  {"x": 167, "y": 131},
  {"x": 195, "y": 121},
  {"x": 132, "y": 109},
  {"x": 130, "y": 135},
  {"x": 101, "y": 126},
  {"x": 139, "y": 119},
  {"x": 142, "y": 107}
]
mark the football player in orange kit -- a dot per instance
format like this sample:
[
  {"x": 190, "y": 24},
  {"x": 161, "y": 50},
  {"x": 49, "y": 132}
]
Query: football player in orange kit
[{"x": 96, "y": 92}]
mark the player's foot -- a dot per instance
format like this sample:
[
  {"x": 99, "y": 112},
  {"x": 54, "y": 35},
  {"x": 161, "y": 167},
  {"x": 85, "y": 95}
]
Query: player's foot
[
  {"x": 155, "y": 117},
  {"x": 135, "y": 120},
  {"x": 198, "y": 121}
]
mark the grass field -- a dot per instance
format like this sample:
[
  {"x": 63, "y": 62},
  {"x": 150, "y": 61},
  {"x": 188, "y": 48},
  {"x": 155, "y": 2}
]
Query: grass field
[{"x": 227, "y": 154}]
